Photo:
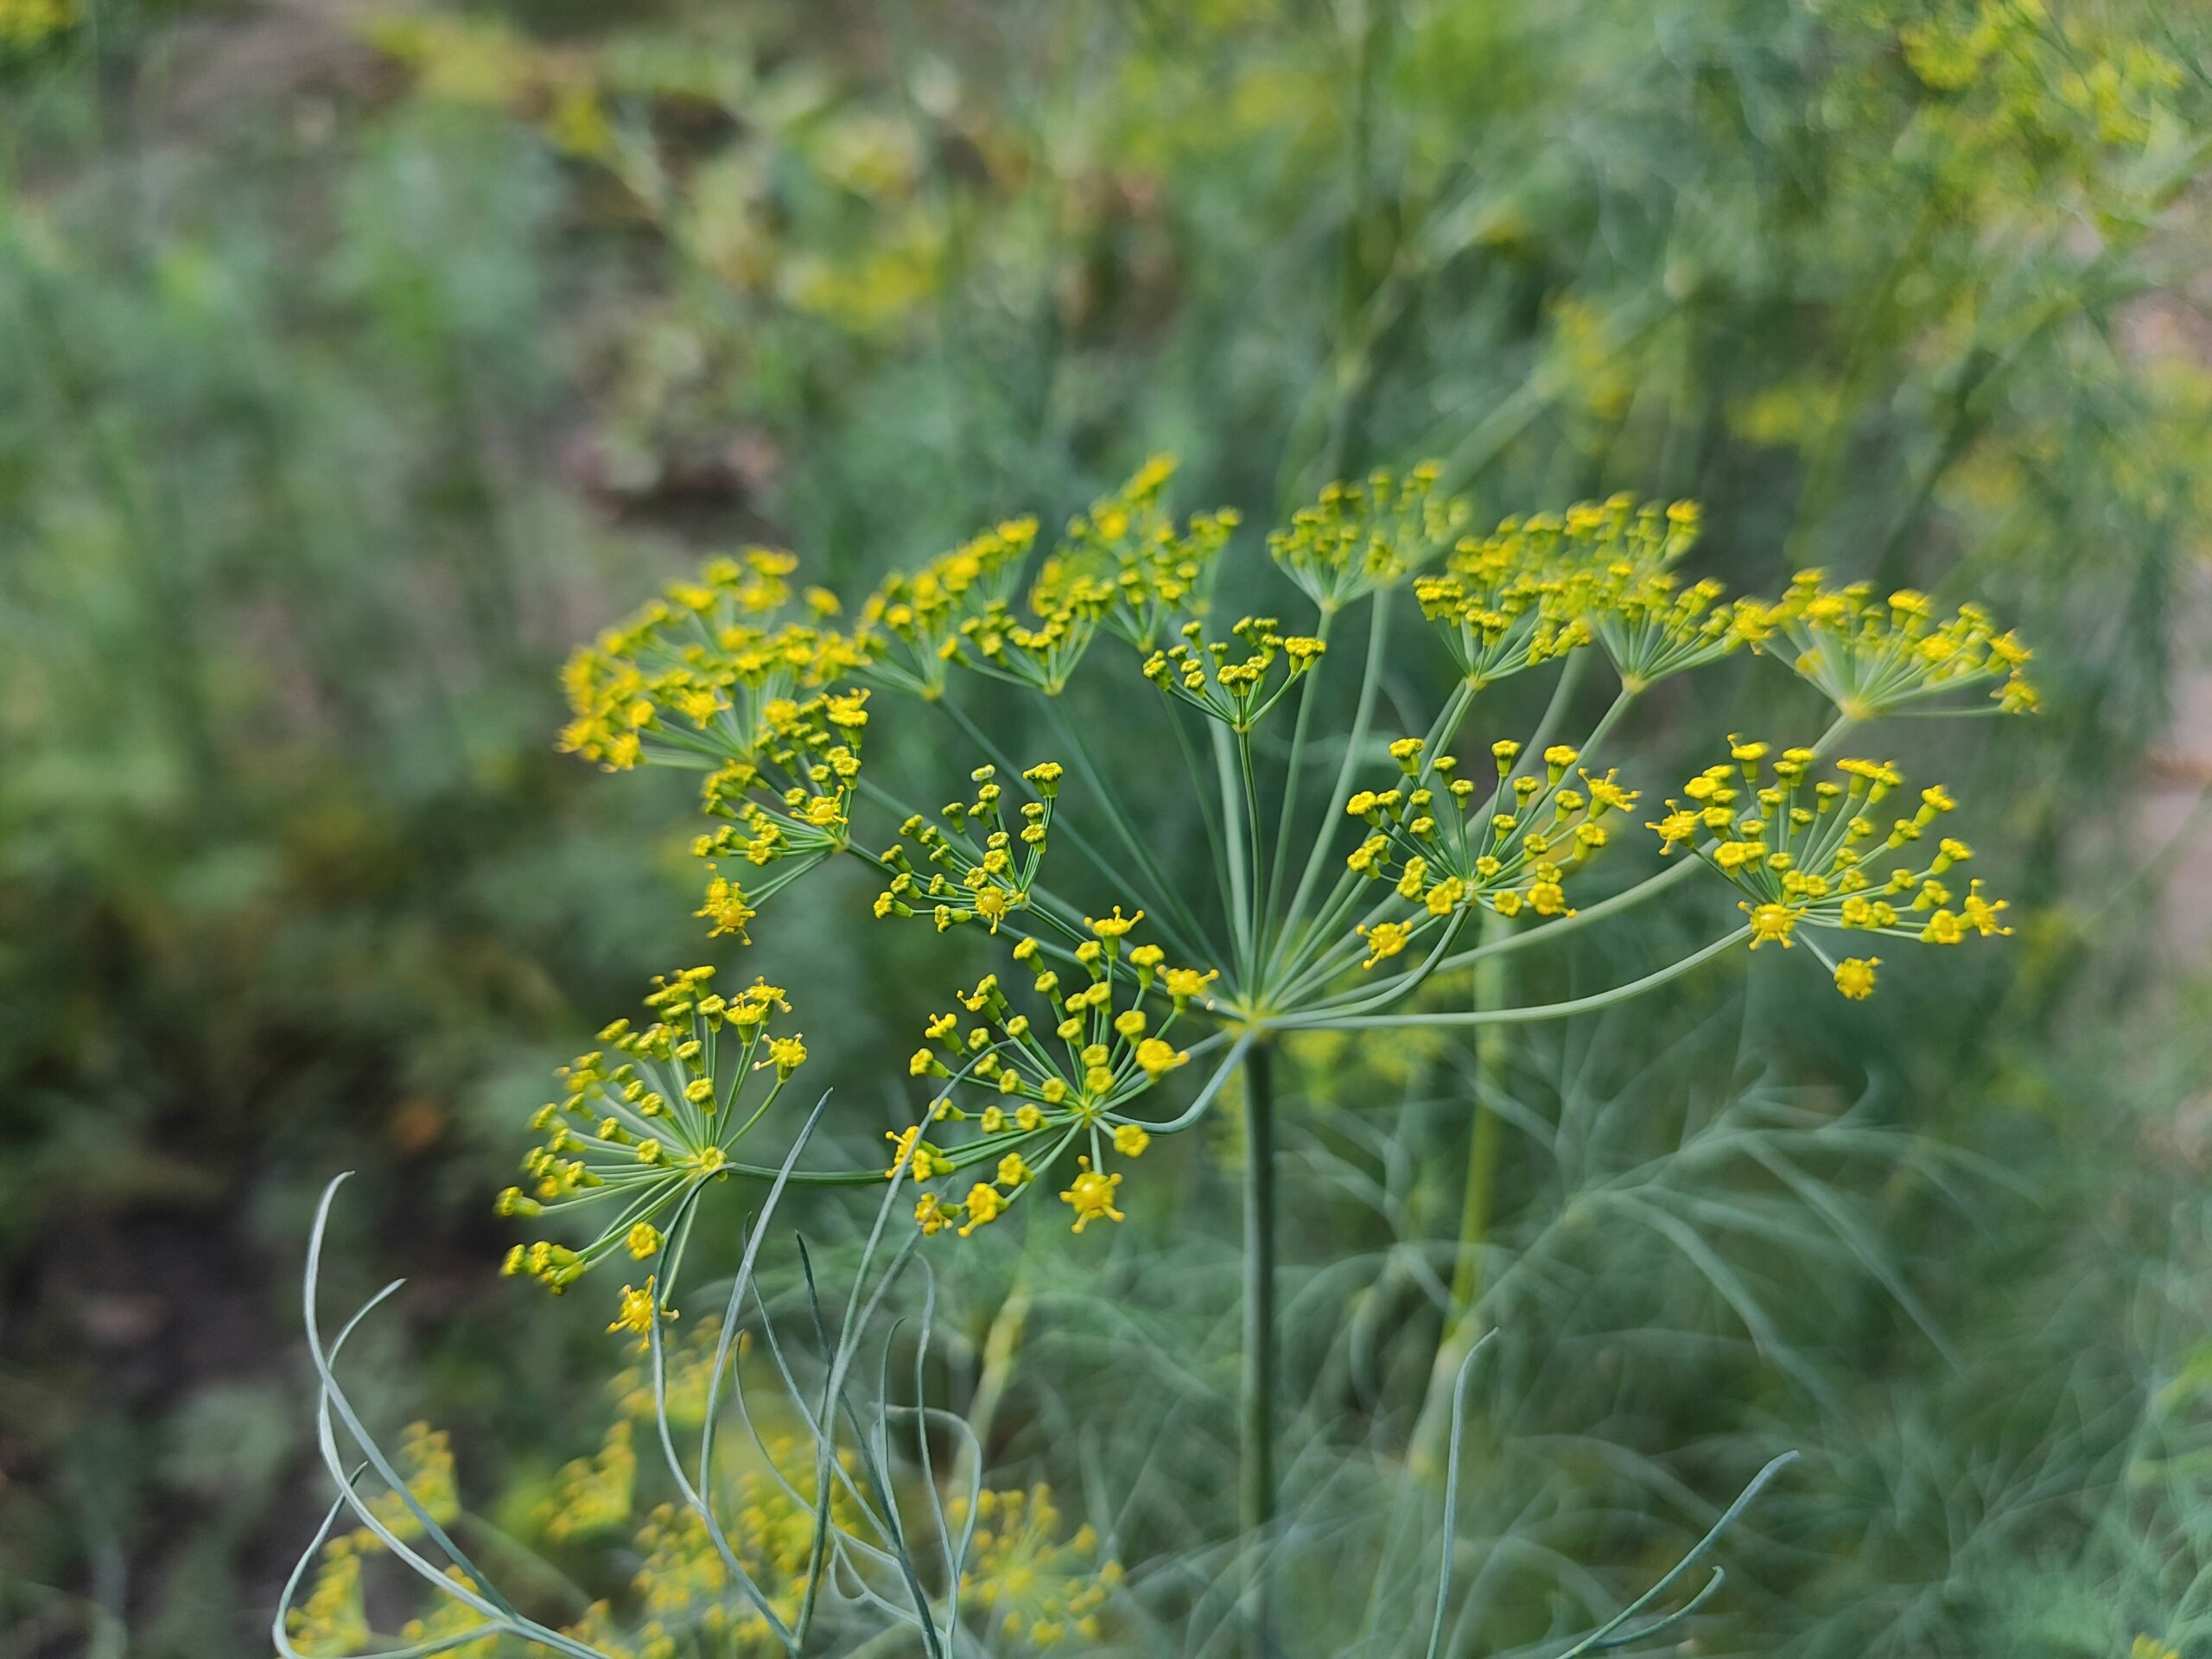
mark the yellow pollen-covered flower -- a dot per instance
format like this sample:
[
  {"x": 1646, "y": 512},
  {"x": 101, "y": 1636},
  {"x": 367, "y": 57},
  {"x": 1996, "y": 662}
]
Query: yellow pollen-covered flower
[
  {"x": 1091, "y": 1196},
  {"x": 984, "y": 1205},
  {"x": 636, "y": 1311},
  {"x": 725, "y": 907},
  {"x": 1980, "y": 914},
  {"x": 1184, "y": 983},
  {"x": 1155, "y": 1055},
  {"x": 903, "y": 1143},
  {"x": 1854, "y": 977},
  {"x": 1772, "y": 923},
  {"x": 1383, "y": 939}
]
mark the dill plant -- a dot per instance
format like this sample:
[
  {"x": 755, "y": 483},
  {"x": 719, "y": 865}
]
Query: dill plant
[{"x": 1350, "y": 878}]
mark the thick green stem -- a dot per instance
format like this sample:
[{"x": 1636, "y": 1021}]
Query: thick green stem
[{"x": 1257, "y": 1397}]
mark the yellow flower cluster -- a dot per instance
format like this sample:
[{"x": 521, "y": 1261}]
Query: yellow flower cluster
[
  {"x": 997, "y": 643},
  {"x": 333, "y": 1618},
  {"x": 708, "y": 677},
  {"x": 1542, "y": 586},
  {"x": 788, "y": 805},
  {"x": 1235, "y": 690},
  {"x": 1809, "y": 856},
  {"x": 687, "y": 1374},
  {"x": 592, "y": 1495},
  {"x": 1038, "y": 1588},
  {"x": 2057, "y": 89},
  {"x": 687, "y": 1601},
  {"x": 1872, "y": 656},
  {"x": 1652, "y": 625},
  {"x": 1048, "y": 1089},
  {"x": 650, "y": 1124},
  {"x": 1127, "y": 554},
  {"x": 1366, "y": 534},
  {"x": 1445, "y": 853},
  {"x": 1497, "y": 610},
  {"x": 426, "y": 1454},
  {"x": 910, "y": 626},
  {"x": 985, "y": 870},
  {"x": 693, "y": 677},
  {"x": 452, "y": 1618}
]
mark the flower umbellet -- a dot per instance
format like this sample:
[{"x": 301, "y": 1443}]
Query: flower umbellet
[
  {"x": 1366, "y": 534},
  {"x": 1121, "y": 995},
  {"x": 719, "y": 676},
  {"x": 1444, "y": 851},
  {"x": 1152, "y": 571},
  {"x": 1018, "y": 1091},
  {"x": 1818, "y": 854},
  {"x": 912, "y": 628},
  {"x": 1235, "y": 689},
  {"x": 985, "y": 865},
  {"x": 646, "y": 1124},
  {"x": 1032, "y": 1582},
  {"x": 1872, "y": 656}
]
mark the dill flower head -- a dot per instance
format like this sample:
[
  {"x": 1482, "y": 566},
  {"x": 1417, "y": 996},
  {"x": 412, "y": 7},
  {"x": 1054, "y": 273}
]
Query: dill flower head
[
  {"x": 1236, "y": 691},
  {"x": 775, "y": 711},
  {"x": 593, "y": 1495},
  {"x": 1128, "y": 555},
  {"x": 1818, "y": 854},
  {"x": 694, "y": 677},
  {"x": 643, "y": 1128},
  {"x": 1023, "y": 1089},
  {"x": 1023, "y": 1578},
  {"x": 1652, "y": 625},
  {"x": 1540, "y": 586},
  {"x": 1446, "y": 846},
  {"x": 1871, "y": 656},
  {"x": 1366, "y": 534},
  {"x": 910, "y": 626},
  {"x": 785, "y": 807},
  {"x": 983, "y": 866}
]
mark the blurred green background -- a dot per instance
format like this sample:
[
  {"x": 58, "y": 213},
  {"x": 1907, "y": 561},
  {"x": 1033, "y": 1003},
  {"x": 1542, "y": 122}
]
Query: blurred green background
[{"x": 356, "y": 358}]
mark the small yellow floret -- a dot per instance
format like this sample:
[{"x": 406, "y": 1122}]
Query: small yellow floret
[
  {"x": 1854, "y": 977},
  {"x": 1091, "y": 1196}
]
